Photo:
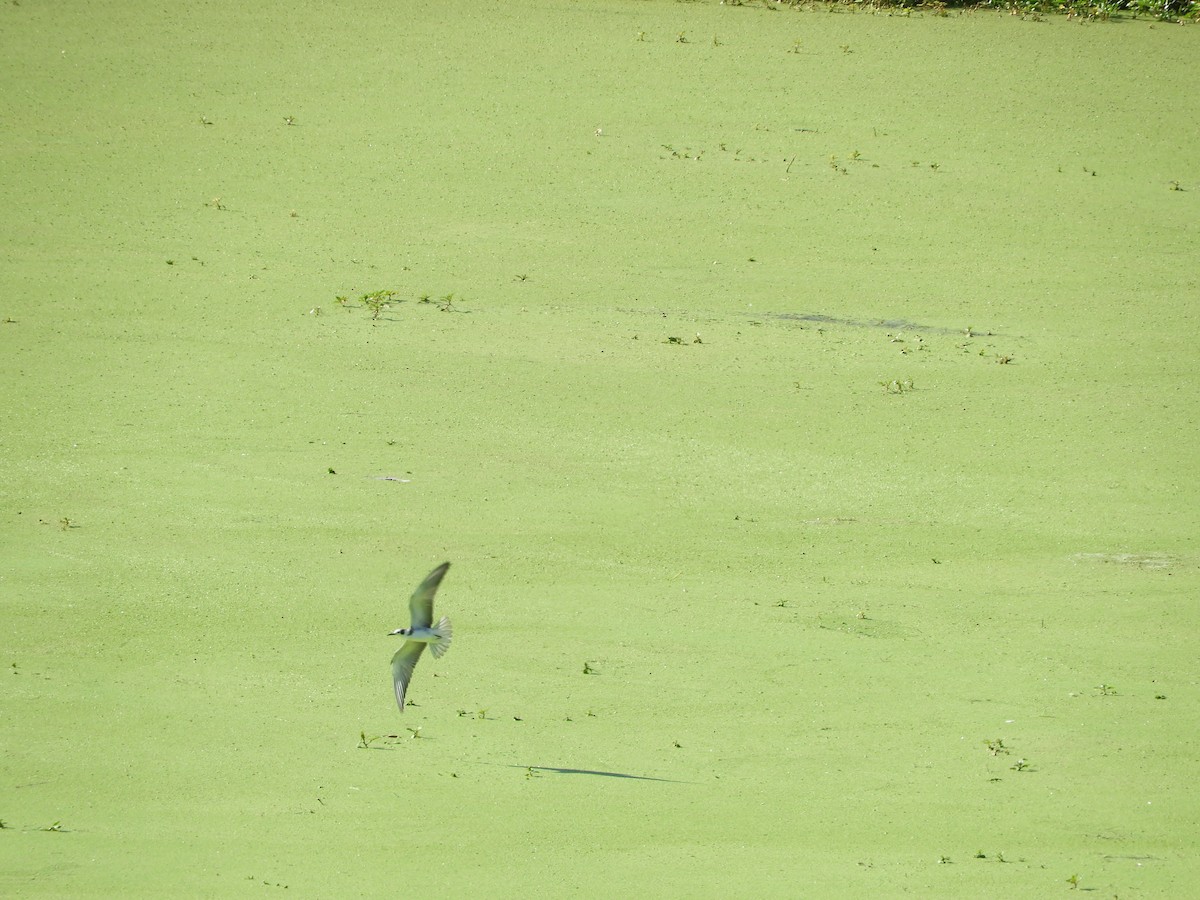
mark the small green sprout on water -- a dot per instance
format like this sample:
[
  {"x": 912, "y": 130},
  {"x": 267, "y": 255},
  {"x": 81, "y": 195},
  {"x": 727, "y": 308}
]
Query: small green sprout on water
[
  {"x": 896, "y": 386},
  {"x": 796, "y": 44},
  {"x": 341, "y": 301},
  {"x": 447, "y": 303},
  {"x": 996, "y": 747},
  {"x": 1073, "y": 881},
  {"x": 1175, "y": 186},
  {"x": 1019, "y": 766},
  {"x": 979, "y": 854},
  {"x": 416, "y": 732},
  {"x": 588, "y": 670},
  {"x": 641, "y": 35},
  {"x": 673, "y": 340},
  {"x": 377, "y": 301},
  {"x": 289, "y": 120},
  {"x": 944, "y": 860},
  {"x": 1106, "y": 690},
  {"x": 682, "y": 39},
  {"x": 205, "y": 120},
  {"x": 54, "y": 827}
]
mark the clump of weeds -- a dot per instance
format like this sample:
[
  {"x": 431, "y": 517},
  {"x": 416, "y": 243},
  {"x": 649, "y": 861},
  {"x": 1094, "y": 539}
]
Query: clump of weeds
[
  {"x": 382, "y": 741},
  {"x": 377, "y": 301},
  {"x": 374, "y": 302},
  {"x": 445, "y": 302},
  {"x": 896, "y": 386},
  {"x": 996, "y": 747}
]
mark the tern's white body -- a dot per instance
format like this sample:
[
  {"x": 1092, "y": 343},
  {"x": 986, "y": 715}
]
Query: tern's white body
[
  {"x": 421, "y": 632},
  {"x": 439, "y": 635}
]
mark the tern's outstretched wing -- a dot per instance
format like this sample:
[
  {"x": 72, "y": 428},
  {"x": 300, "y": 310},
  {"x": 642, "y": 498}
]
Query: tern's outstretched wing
[
  {"x": 421, "y": 603},
  {"x": 403, "y": 664}
]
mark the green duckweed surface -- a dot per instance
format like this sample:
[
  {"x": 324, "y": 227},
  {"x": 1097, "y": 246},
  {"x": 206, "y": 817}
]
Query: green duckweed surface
[{"x": 806, "y": 400}]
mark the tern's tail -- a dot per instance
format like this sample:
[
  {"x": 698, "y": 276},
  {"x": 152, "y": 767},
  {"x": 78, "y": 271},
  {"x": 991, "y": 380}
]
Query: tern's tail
[{"x": 445, "y": 634}]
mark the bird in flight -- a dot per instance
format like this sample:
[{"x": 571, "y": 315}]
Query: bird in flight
[{"x": 422, "y": 631}]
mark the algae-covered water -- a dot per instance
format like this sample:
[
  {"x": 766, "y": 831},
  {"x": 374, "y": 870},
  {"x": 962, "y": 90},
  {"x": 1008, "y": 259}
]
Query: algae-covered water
[{"x": 806, "y": 400}]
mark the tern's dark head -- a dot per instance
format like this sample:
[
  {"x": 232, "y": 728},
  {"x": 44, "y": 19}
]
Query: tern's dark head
[{"x": 401, "y": 631}]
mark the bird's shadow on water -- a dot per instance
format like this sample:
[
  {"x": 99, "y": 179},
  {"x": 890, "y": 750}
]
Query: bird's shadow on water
[{"x": 558, "y": 770}]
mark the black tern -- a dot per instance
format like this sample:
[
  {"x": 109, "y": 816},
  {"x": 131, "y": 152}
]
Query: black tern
[{"x": 422, "y": 631}]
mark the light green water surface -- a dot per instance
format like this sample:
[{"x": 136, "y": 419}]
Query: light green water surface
[{"x": 812, "y": 430}]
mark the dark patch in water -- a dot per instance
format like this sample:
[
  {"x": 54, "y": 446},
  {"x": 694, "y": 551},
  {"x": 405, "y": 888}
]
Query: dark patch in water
[
  {"x": 560, "y": 771},
  {"x": 894, "y": 324}
]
